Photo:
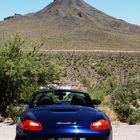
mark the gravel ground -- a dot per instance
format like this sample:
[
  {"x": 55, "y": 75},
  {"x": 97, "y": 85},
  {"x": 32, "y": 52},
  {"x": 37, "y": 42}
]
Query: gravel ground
[
  {"x": 126, "y": 132},
  {"x": 7, "y": 132},
  {"x": 120, "y": 132}
]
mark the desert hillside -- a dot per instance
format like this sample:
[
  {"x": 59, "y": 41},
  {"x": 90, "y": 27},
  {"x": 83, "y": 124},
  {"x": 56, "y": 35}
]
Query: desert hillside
[{"x": 74, "y": 25}]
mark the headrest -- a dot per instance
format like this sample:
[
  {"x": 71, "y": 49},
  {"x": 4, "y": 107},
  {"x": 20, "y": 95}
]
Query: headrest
[
  {"x": 78, "y": 100},
  {"x": 45, "y": 100}
]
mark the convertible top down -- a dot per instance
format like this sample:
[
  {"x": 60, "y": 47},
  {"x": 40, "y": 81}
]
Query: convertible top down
[{"x": 59, "y": 114}]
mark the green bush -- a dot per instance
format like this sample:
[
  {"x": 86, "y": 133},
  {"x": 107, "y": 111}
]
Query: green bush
[
  {"x": 13, "y": 111},
  {"x": 23, "y": 72},
  {"x": 103, "y": 89},
  {"x": 103, "y": 70},
  {"x": 87, "y": 82},
  {"x": 123, "y": 102},
  {"x": 134, "y": 117}
]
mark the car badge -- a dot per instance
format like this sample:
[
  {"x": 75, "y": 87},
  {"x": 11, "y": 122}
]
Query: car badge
[{"x": 66, "y": 123}]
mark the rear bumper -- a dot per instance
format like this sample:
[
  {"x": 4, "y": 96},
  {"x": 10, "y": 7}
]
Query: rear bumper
[
  {"x": 91, "y": 138},
  {"x": 64, "y": 133}
]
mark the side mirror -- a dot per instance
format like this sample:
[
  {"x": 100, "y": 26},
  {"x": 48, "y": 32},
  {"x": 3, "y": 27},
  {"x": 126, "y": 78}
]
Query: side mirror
[
  {"x": 96, "y": 102},
  {"x": 23, "y": 101}
]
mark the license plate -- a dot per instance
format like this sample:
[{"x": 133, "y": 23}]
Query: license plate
[
  {"x": 72, "y": 139},
  {"x": 67, "y": 139}
]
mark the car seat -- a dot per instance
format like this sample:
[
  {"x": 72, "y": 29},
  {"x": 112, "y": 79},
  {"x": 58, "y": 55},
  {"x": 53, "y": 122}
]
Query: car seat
[
  {"x": 78, "y": 100},
  {"x": 44, "y": 100}
]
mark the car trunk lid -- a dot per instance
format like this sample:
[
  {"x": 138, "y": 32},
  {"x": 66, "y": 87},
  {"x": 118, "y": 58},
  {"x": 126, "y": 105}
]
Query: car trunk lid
[{"x": 65, "y": 116}]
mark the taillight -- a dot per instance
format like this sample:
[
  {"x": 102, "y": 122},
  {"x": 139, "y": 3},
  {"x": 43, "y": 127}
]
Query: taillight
[
  {"x": 31, "y": 125},
  {"x": 100, "y": 125}
]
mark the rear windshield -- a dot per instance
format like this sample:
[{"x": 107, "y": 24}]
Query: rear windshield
[{"x": 60, "y": 98}]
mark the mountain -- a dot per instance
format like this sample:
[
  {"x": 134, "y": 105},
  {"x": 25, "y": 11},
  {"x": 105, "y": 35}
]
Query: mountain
[{"x": 74, "y": 25}]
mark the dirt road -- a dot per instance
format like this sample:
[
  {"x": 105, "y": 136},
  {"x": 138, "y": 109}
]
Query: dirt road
[
  {"x": 120, "y": 132},
  {"x": 94, "y": 50}
]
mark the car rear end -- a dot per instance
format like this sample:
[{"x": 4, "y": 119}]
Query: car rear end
[{"x": 64, "y": 123}]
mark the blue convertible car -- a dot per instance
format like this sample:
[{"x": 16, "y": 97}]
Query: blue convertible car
[{"x": 59, "y": 114}]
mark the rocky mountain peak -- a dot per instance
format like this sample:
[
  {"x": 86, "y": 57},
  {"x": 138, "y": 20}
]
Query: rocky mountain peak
[{"x": 66, "y": 8}]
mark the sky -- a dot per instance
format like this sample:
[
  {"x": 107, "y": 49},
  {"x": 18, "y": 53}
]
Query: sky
[{"x": 128, "y": 10}]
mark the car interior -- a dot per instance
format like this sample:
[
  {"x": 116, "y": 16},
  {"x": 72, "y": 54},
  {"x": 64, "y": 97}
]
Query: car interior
[{"x": 73, "y": 100}]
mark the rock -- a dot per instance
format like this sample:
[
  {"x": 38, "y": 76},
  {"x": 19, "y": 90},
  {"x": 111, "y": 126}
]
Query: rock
[{"x": 1, "y": 118}]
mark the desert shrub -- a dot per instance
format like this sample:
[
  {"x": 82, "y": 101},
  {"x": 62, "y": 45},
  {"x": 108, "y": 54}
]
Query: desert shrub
[
  {"x": 124, "y": 111},
  {"x": 23, "y": 72},
  {"x": 104, "y": 88},
  {"x": 13, "y": 111},
  {"x": 123, "y": 103},
  {"x": 87, "y": 82},
  {"x": 100, "y": 91},
  {"x": 103, "y": 70},
  {"x": 134, "y": 117}
]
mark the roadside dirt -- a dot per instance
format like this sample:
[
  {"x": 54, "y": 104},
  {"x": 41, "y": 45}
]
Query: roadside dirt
[
  {"x": 98, "y": 51},
  {"x": 126, "y": 132}
]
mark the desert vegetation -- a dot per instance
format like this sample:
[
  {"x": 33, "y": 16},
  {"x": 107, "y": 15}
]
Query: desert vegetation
[{"x": 113, "y": 78}]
